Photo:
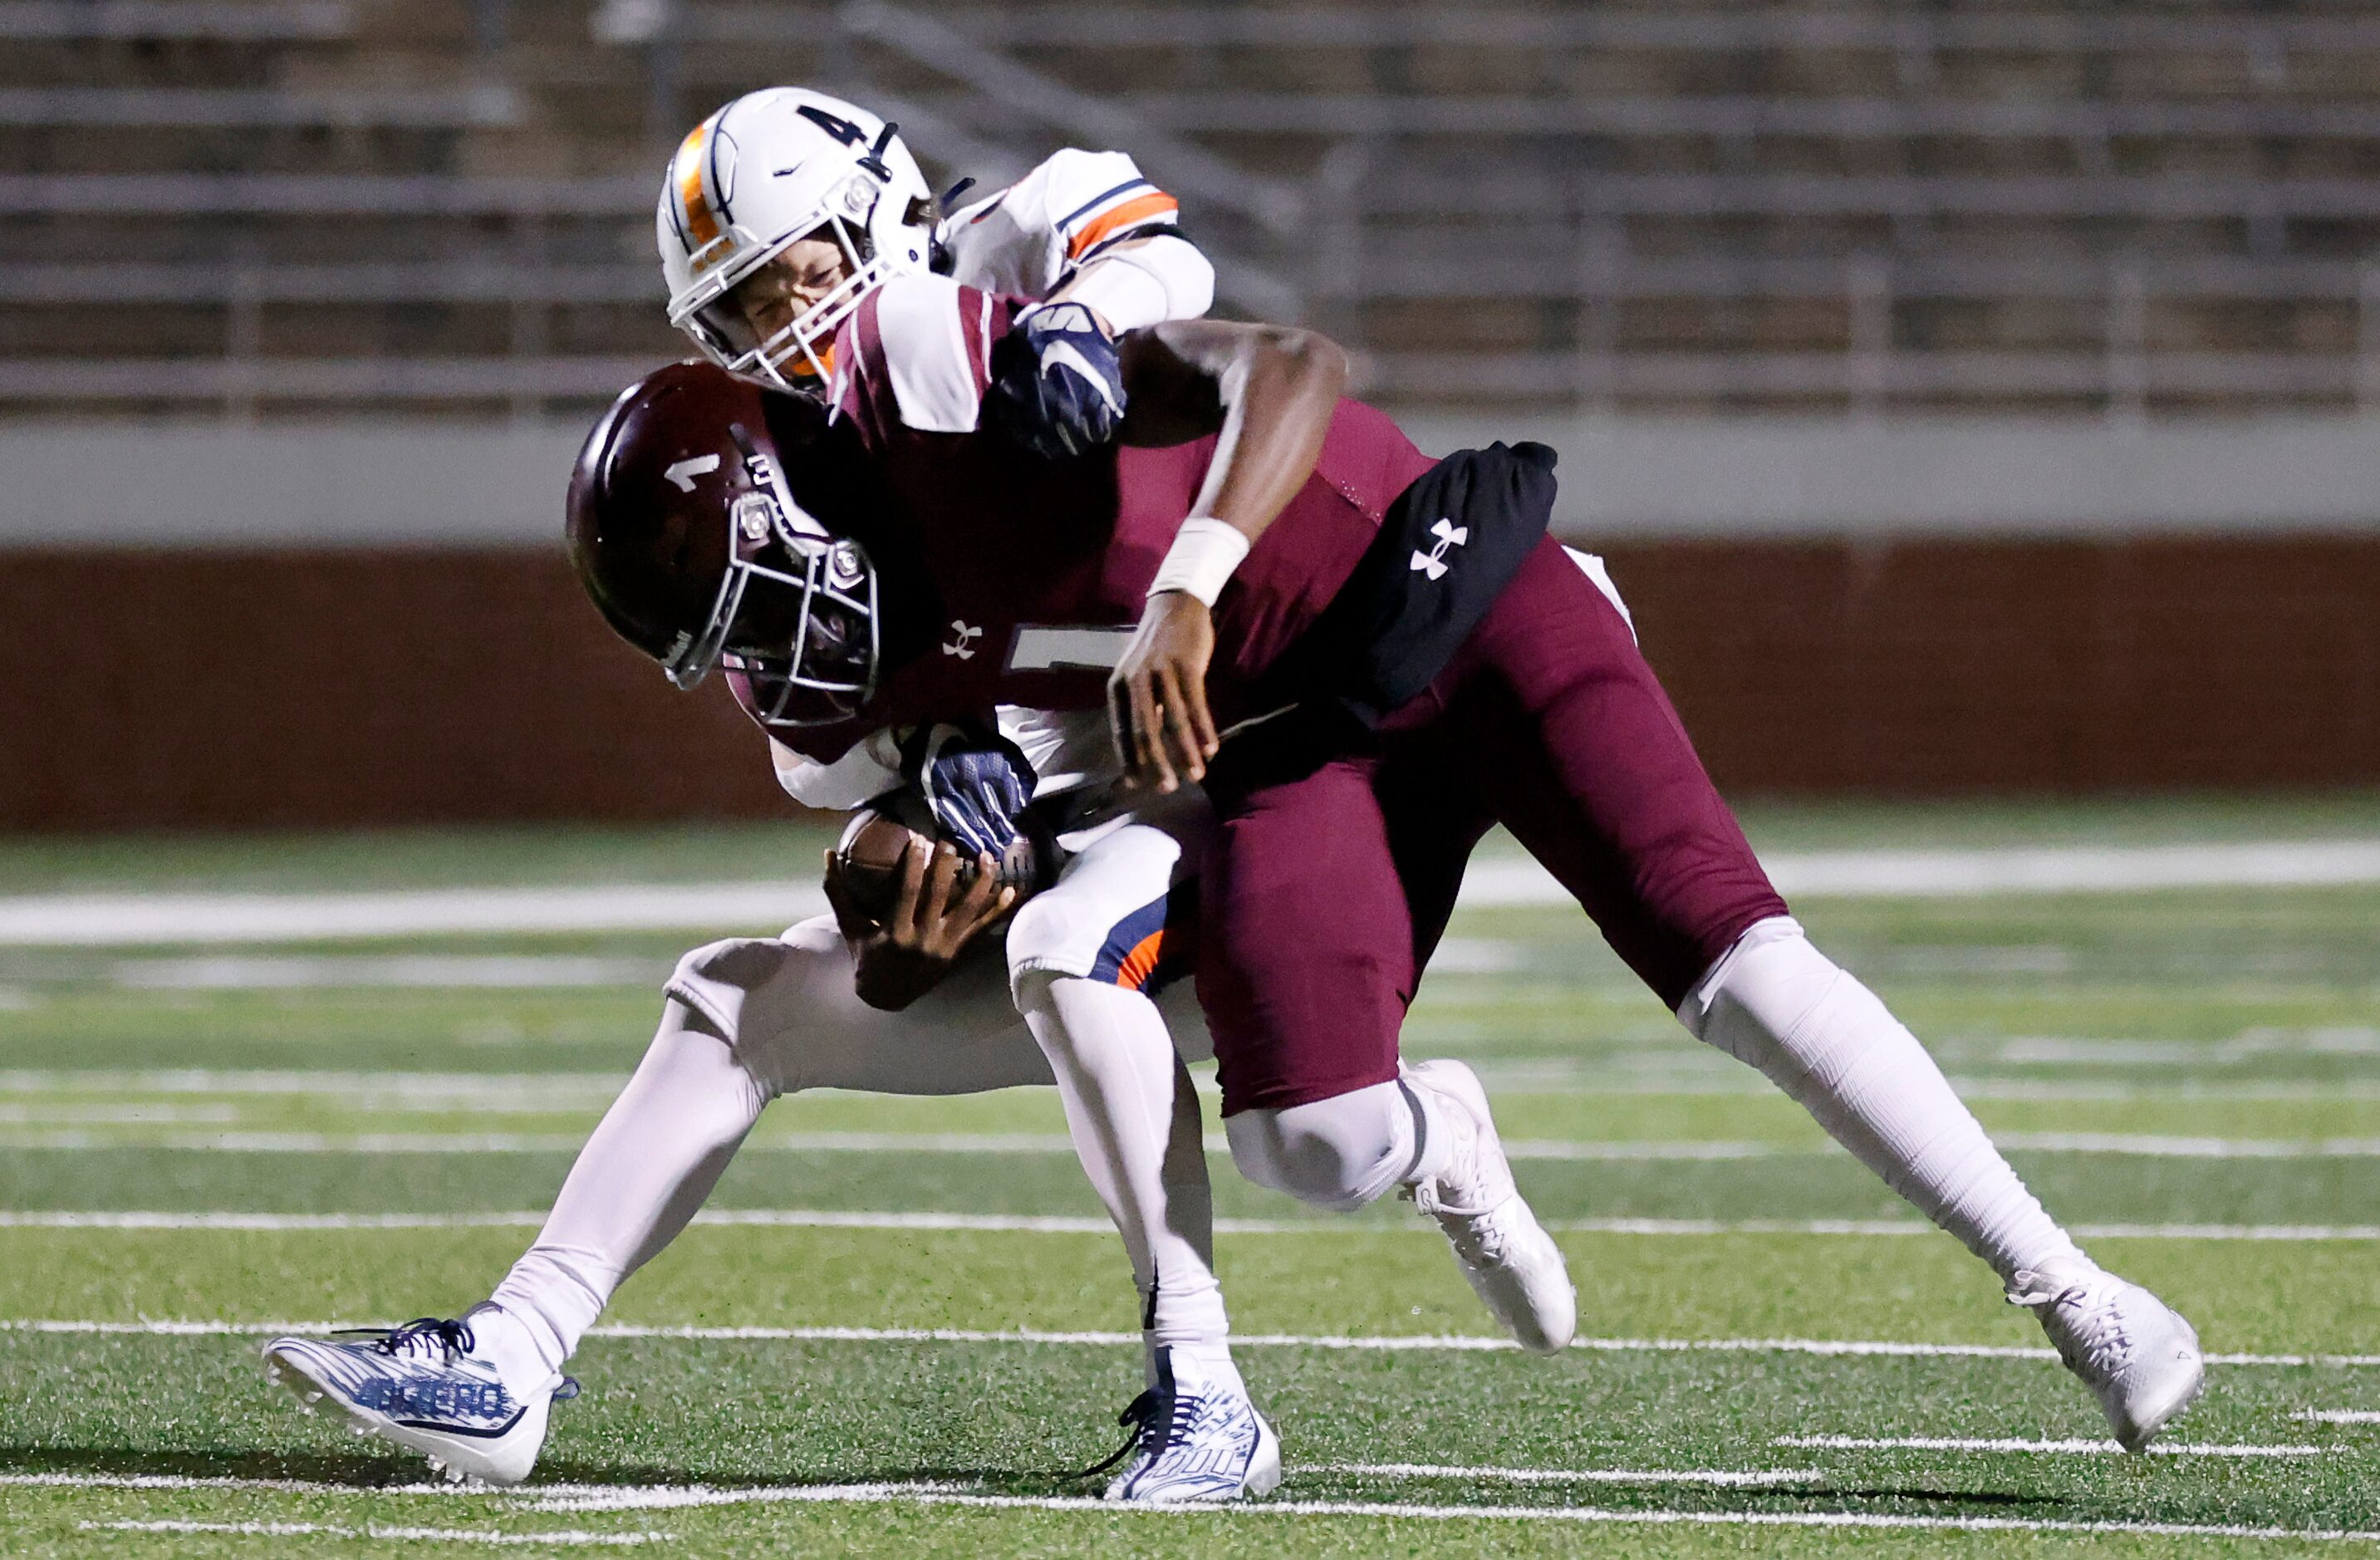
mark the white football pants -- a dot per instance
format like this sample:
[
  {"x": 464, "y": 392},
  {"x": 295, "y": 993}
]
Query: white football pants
[{"x": 749, "y": 1020}]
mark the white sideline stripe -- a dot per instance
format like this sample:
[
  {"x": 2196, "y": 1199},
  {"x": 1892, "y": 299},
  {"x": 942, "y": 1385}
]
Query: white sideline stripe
[
  {"x": 563, "y": 1497},
  {"x": 2339, "y": 1416},
  {"x": 569, "y": 1536},
  {"x": 1419, "y": 1343},
  {"x": 1728, "y": 1478},
  {"x": 1075, "y": 1224},
  {"x": 2126, "y": 1144},
  {"x": 127, "y": 919},
  {"x": 2058, "y": 1449}
]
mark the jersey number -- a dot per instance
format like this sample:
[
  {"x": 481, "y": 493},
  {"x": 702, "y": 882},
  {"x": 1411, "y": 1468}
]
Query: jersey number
[{"x": 849, "y": 134}]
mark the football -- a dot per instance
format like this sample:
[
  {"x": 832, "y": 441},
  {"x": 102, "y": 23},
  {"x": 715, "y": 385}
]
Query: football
[{"x": 877, "y": 838}]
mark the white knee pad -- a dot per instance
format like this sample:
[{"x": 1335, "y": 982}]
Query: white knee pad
[{"x": 1338, "y": 1154}]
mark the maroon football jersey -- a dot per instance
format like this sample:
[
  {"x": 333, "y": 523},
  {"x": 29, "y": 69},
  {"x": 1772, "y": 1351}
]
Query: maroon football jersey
[{"x": 1042, "y": 566}]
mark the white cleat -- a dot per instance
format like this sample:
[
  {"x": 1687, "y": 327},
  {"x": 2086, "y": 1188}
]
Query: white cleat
[
  {"x": 1511, "y": 1261},
  {"x": 423, "y": 1387},
  {"x": 2134, "y": 1352},
  {"x": 1197, "y": 1438}
]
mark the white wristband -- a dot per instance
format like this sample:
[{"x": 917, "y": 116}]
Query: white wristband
[{"x": 1201, "y": 559}]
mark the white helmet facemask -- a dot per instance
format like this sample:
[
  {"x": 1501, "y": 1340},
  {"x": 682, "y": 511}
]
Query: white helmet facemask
[{"x": 767, "y": 171}]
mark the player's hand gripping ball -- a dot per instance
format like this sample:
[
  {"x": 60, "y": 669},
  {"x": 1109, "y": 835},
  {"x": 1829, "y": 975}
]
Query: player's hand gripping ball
[
  {"x": 1057, "y": 381},
  {"x": 976, "y": 784},
  {"x": 870, "y": 857}
]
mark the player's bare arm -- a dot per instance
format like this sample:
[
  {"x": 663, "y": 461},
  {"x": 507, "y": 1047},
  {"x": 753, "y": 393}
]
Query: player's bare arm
[
  {"x": 1267, "y": 392},
  {"x": 938, "y": 912}
]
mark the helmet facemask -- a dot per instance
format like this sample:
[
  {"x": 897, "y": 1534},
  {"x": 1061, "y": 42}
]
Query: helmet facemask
[
  {"x": 800, "y": 356},
  {"x": 795, "y": 616}
]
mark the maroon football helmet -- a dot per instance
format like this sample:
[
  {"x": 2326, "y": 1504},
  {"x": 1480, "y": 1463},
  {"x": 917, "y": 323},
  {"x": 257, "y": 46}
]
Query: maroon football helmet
[{"x": 686, "y": 533}]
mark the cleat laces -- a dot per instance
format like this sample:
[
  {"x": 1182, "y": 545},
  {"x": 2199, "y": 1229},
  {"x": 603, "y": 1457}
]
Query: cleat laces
[
  {"x": 1139, "y": 1419},
  {"x": 1156, "y": 1423},
  {"x": 452, "y": 1338},
  {"x": 2094, "y": 1338}
]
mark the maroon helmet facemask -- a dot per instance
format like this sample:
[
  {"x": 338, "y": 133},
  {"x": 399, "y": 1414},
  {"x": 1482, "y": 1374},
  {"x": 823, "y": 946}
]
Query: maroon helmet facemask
[
  {"x": 795, "y": 621},
  {"x": 689, "y": 538}
]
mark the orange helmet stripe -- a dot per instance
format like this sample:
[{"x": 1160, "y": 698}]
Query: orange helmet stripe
[{"x": 701, "y": 222}]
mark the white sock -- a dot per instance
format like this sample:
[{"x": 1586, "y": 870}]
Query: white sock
[
  {"x": 1818, "y": 1033},
  {"x": 510, "y": 1344},
  {"x": 651, "y": 1164},
  {"x": 1135, "y": 1118}
]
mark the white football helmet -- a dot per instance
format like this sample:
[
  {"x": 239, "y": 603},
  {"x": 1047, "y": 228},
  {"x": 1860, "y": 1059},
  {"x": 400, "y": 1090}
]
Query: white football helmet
[{"x": 772, "y": 167}]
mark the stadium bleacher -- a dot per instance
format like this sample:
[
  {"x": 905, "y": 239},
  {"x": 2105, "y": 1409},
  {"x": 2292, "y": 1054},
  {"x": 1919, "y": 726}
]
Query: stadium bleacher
[{"x": 269, "y": 208}]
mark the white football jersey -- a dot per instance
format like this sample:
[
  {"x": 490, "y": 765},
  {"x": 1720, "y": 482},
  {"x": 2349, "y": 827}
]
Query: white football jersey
[
  {"x": 1090, "y": 219},
  {"x": 1058, "y": 222}
]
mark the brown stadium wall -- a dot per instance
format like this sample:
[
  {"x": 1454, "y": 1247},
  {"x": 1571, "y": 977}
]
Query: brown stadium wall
[{"x": 277, "y": 688}]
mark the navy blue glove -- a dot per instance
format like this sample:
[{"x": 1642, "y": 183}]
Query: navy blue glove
[
  {"x": 1057, "y": 381},
  {"x": 975, "y": 782}
]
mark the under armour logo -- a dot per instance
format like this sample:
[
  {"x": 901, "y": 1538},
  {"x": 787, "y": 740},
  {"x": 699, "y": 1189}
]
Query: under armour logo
[
  {"x": 1433, "y": 563},
  {"x": 961, "y": 642}
]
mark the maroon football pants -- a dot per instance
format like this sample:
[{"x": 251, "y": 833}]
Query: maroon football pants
[{"x": 1333, "y": 870}]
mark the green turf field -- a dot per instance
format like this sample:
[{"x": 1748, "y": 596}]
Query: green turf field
[{"x": 906, "y": 1322}]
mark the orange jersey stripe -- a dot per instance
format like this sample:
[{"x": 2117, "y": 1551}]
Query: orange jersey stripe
[
  {"x": 1155, "y": 204},
  {"x": 701, "y": 226},
  {"x": 1141, "y": 962}
]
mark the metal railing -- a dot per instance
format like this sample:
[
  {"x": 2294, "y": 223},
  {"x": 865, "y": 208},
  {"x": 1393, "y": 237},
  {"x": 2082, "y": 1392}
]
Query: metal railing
[
  {"x": 221, "y": 20},
  {"x": 1686, "y": 29},
  {"x": 489, "y": 105},
  {"x": 1392, "y": 212},
  {"x": 1839, "y": 118}
]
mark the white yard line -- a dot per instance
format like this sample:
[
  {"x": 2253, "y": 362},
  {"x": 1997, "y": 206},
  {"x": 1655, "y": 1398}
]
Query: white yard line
[
  {"x": 2123, "y": 1144},
  {"x": 567, "y": 1536},
  {"x": 222, "y": 1481},
  {"x": 506, "y": 1094},
  {"x": 137, "y": 1113},
  {"x": 527, "y": 1092},
  {"x": 120, "y": 920},
  {"x": 911, "y": 1493},
  {"x": 1441, "y": 1343},
  {"x": 1719, "y": 1477},
  {"x": 591, "y": 1498},
  {"x": 1075, "y": 1224},
  {"x": 2054, "y": 1448},
  {"x": 503, "y": 971},
  {"x": 2050, "y": 869},
  {"x": 585, "y": 1498},
  {"x": 2158, "y": 1146},
  {"x": 2339, "y": 1416},
  {"x": 131, "y": 919}
]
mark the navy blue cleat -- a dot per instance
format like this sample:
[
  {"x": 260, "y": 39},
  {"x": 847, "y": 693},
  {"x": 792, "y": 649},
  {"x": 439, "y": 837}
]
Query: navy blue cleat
[
  {"x": 1198, "y": 1439},
  {"x": 423, "y": 1387}
]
